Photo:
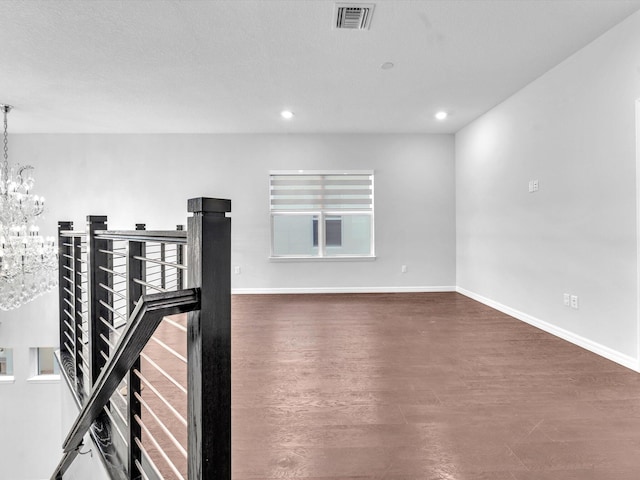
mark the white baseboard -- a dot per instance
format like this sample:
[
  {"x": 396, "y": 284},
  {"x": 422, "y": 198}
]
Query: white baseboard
[
  {"x": 606, "y": 352},
  {"x": 261, "y": 291}
]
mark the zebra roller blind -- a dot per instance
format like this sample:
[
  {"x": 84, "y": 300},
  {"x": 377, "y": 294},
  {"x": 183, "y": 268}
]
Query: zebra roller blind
[{"x": 335, "y": 192}]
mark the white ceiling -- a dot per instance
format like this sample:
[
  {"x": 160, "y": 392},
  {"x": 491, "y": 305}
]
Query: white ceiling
[{"x": 232, "y": 66}]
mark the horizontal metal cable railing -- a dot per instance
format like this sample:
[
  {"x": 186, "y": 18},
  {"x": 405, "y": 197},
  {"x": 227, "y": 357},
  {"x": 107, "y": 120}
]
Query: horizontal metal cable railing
[
  {"x": 153, "y": 423},
  {"x": 73, "y": 306},
  {"x": 160, "y": 268}
]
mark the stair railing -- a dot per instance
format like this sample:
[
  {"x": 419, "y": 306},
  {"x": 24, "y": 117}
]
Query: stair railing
[{"x": 116, "y": 289}]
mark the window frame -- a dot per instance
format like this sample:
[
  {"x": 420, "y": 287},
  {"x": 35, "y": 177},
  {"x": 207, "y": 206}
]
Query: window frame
[
  {"x": 322, "y": 215},
  {"x": 8, "y": 377}
]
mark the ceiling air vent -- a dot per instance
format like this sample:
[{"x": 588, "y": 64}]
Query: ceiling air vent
[{"x": 353, "y": 16}]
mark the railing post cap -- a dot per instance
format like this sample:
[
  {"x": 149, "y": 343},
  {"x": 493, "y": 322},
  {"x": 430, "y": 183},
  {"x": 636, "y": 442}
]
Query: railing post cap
[
  {"x": 208, "y": 205},
  {"x": 96, "y": 218}
]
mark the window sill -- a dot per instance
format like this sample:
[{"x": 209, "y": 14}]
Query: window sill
[
  {"x": 7, "y": 379},
  {"x": 44, "y": 379},
  {"x": 343, "y": 258}
]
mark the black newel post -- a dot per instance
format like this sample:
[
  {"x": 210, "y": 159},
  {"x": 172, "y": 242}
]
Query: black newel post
[
  {"x": 134, "y": 291},
  {"x": 64, "y": 267},
  {"x": 96, "y": 276},
  {"x": 209, "y": 340},
  {"x": 78, "y": 321},
  {"x": 180, "y": 257}
]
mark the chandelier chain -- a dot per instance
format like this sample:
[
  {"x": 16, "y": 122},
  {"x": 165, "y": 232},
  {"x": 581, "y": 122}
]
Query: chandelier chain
[
  {"x": 6, "y": 139},
  {"x": 5, "y": 164}
]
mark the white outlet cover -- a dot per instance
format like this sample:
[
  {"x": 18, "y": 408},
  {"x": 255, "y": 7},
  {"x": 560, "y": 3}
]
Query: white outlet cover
[{"x": 574, "y": 301}]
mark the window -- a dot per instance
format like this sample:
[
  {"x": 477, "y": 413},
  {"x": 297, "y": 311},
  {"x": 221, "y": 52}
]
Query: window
[
  {"x": 332, "y": 231},
  {"x": 321, "y": 214},
  {"x": 6, "y": 364},
  {"x": 44, "y": 367},
  {"x": 47, "y": 364}
]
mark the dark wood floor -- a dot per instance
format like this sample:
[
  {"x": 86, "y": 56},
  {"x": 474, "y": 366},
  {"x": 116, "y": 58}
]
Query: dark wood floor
[
  {"x": 408, "y": 386},
  {"x": 421, "y": 386}
]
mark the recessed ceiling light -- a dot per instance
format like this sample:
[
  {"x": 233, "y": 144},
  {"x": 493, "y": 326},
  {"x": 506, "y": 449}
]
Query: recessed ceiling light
[
  {"x": 288, "y": 114},
  {"x": 386, "y": 66},
  {"x": 441, "y": 115}
]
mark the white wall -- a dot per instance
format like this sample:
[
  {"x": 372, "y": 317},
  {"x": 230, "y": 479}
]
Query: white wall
[
  {"x": 138, "y": 178},
  {"x": 88, "y": 465},
  {"x": 573, "y": 130},
  {"x": 30, "y": 428},
  {"x": 148, "y": 178}
]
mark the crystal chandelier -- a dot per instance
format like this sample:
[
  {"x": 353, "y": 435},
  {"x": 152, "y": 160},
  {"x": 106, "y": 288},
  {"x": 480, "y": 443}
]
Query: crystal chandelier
[{"x": 28, "y": 262}]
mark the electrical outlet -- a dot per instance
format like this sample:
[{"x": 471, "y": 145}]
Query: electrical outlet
[
  {"x": 574, "y": 301},
  {"x": 403, "y": 269},
  {"x": 534, "y": 185},
  {"x": 567, "y": 300},
  {"x": 236, "y": 270}
]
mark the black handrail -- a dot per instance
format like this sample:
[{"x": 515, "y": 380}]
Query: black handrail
[
  {"x": 165, "y": 236},
  {"x": 149, "y": 312}
]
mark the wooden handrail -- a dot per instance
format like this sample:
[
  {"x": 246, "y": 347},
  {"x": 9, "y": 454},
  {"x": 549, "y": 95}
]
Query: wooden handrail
[{"x": 142, "y": 324}]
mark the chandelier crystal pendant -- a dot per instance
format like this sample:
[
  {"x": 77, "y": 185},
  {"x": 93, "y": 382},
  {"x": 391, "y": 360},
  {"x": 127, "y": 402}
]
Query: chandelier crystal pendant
[{"x": 28, "y": 262}]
